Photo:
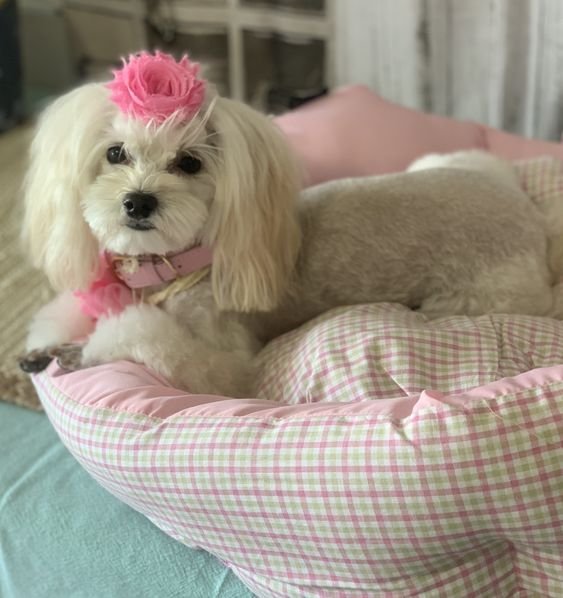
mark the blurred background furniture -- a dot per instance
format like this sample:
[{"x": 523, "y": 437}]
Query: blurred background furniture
[
  {"x": 271, "y": 53},
  {"x": 491, "y": 61}
]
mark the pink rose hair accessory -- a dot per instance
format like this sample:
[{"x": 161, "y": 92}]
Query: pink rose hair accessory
[{"x": 153, "y": 87}]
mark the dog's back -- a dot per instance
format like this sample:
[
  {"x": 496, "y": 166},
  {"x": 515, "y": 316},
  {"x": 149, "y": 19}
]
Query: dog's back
[{"x": 445, "y": 241}]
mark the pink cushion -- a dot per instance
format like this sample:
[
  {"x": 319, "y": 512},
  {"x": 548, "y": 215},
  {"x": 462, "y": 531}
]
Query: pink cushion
[
  {"x": 514, "y": 147},
  {"x": 355, "y": 132}
]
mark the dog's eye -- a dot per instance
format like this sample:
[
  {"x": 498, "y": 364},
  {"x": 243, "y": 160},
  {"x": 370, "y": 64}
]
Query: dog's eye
[
  {"x": 116, "y": 154},
  {"x": 189, "y": 164}
]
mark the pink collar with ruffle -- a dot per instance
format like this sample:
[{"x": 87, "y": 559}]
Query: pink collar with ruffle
[{"x": 118, "y": 276}]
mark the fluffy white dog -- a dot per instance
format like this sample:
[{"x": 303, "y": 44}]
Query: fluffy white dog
[{"x": 148, "y": 188}]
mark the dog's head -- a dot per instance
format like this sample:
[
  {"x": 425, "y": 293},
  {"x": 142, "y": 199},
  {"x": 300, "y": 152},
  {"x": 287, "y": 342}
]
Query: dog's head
[{"x": 102, "y": 179}]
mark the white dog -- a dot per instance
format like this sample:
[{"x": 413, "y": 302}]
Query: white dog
[{"x": 458, "y": 240}]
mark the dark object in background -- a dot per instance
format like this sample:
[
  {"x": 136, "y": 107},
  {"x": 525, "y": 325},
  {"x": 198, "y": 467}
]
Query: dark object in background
[
  {"x": 296, "y": 5},
  {"x": 11, "y": 103},
  {"x": 282, "y": 71},
  {"x": 280, "y": 99}
]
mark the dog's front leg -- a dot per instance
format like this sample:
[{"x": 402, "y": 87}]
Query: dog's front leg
[
  {"x": 149, "y": 335},
  {"x": 54, "y": 326}
]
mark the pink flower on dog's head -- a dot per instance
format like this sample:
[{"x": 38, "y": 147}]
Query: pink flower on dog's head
[{"x": 152, "y": 87}]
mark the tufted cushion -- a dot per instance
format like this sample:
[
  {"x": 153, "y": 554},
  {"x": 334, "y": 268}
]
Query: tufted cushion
[{"x": 449, "y": 483}]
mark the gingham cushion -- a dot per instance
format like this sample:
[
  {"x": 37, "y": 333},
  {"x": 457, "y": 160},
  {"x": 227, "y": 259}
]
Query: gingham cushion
[
  {"x": 446, "y": 494},
  {"x": 386, "y": 456}
]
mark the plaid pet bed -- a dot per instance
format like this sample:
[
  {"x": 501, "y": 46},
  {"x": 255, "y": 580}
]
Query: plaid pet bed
[{"x": 387, "y": 455}]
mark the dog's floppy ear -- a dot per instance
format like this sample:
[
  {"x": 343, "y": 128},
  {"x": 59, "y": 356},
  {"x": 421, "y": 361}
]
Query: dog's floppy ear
[
  {"x": 253, "y": 226},
  {"x": 62, "y": 164}
]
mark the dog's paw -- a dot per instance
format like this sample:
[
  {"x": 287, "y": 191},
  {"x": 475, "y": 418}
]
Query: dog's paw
[
  {"x": 68, "y": 356},
  {"x": 35, "y": 361}
]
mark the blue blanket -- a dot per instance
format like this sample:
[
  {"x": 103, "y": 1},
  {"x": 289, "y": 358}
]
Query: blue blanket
[{"x": 63, "y": 535}]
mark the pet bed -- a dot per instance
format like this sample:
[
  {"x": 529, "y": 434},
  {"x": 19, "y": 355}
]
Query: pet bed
[{"x": 386, "y": 455}]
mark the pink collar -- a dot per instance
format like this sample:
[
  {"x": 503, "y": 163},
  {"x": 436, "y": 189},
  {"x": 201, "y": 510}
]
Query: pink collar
[{"x": 149, "y": 270}]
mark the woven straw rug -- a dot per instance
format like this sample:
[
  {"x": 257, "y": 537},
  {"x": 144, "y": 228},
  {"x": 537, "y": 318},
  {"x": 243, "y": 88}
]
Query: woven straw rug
[{"x": 22, "y": 289}]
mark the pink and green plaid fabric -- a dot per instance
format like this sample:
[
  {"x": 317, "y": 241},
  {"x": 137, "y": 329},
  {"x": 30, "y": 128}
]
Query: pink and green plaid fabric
[
  {"x": 462, "y": 495},
  {"x": 386, "y": 455},
  {"x": 542, "y": 179}
]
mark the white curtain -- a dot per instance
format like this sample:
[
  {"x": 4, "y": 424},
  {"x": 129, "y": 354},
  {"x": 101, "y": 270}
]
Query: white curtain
[{"x": 499, "y": 62}]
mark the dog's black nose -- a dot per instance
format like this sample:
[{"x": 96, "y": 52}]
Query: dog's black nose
[{"x": 139, "y": 205}]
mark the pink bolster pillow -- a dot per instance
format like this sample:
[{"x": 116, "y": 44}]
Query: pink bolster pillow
[{"x": 355, "y": 132}]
